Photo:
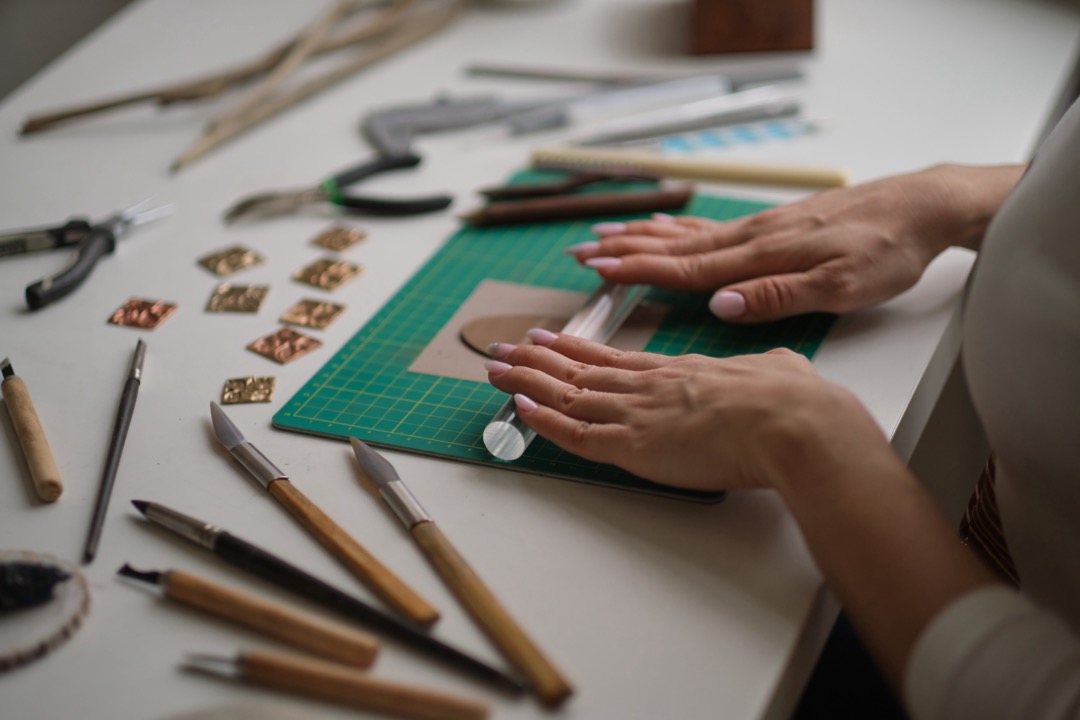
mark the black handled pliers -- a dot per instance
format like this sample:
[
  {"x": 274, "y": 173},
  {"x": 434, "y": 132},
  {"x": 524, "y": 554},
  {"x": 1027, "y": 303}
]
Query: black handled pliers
[
  {"x": 91, "y": 241},
  {"x": 330, "y": 191}
]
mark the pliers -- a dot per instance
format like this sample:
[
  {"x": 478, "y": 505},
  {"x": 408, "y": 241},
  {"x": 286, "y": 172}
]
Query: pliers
[
  {"x": 330, "y": 191},
  {"x": 91, "y": 241}
]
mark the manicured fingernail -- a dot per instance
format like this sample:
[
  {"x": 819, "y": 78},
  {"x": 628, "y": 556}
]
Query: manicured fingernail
[
  {"x": 609, "y": 228},
  {"x": 581, "y": 247},
  {"x": 603, "y": 263},
  {"x": 500, "y": 350},
  {"x": 495, "y": 367},
  {"x": 727, "y": 305},
  {"x": 540, "y": 336},
  {"x": 663, "y": 217},
  {"x": 524, "y": 403}
]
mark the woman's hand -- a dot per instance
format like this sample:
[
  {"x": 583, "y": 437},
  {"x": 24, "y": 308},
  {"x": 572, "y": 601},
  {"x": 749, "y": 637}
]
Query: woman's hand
[
  {"x": 690, "y": 421},
  {"x": 837, "y": 251}
]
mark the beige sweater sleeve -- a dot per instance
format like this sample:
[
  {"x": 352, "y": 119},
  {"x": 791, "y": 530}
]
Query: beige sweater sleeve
[{"x": 994, "y": 654}]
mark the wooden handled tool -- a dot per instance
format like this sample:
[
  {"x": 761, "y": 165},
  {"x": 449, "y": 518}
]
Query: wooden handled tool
[
  {"x": 35, "y": 446},
  {"x": 332, "y": 536},
  {"x": 302, "y": 630},
  {"x": 352, "y": 554},
  {"x": 547, "y": 682},
  {"x": 494, "y": 619},
  {"x": 327, "y": 681}
]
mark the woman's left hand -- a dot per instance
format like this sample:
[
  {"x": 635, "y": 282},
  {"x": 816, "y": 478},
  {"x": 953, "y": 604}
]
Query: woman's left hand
[{"x": 689, "y": 421}]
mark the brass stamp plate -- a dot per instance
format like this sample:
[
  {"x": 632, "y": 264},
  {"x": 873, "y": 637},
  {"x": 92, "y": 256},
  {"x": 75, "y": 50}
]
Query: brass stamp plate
[
  {"x": 231, "y": 260},
  {"x": 237, "y": 298},
  {"x": 142, "y": 313},
  {"x": 339, "y": 238},
  {"x": 312, "y": 313},
  {"x": 248, "y": 390},
  {"x": 327, "y": 274},
  {"x": 284, "y": 346}
]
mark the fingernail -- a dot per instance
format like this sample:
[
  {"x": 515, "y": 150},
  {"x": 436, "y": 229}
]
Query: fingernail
[
  {"x": 524, "y": 403},
  {"x": 727, "y": 305},
  {"x": 663, "y": 217},
  {"x": 540, "y": 336},
  {"x": 500, "y": 350},
  {"x": 603, "y": 263},
  {"x": 609, "y": 228},
  {"x": 581, "y": 247},
  {"x": 495, "y": 367}
]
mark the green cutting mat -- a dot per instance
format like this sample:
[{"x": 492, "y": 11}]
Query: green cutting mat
[{"x": 366, "y": 390}]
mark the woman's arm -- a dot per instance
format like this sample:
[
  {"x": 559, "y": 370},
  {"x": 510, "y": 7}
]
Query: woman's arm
[
  {"x": 761, "y": 421},
  {"x": 836, "y": 251}
]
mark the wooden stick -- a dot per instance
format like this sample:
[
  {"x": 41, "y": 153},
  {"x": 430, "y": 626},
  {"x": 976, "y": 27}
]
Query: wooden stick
[
  {"x": 305, "y": 45},
  {"x": 360, "y": 60},
  {"x": 314, "y": 678},
  {"x": 308, "y": 632},
  {"x": 690, "y": 169},
  {"x": 353, "y": 555},
  {"x": 548, "y": 684},
  {"x": 217, "y": 83},
  {"x": 35, "y": 446}
]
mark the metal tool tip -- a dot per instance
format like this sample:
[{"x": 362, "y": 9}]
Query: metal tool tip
[
  {"x": 5, "y": 368},
  {"x": 140, "y": 505},
  {"x": 148, "y": 576},
  {"x": 372, "y": 464},
  {"x": 227, "y": 433}
]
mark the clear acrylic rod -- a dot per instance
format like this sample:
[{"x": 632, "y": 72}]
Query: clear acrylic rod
[{"x": 506, "y": 436}]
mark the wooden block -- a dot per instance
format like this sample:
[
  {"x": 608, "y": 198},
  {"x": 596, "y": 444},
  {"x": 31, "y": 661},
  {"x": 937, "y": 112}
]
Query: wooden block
[{"x": 747, "y": 26}]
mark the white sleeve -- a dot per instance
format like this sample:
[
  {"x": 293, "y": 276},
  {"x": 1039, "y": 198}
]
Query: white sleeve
[{"x": 994, "y": 654}]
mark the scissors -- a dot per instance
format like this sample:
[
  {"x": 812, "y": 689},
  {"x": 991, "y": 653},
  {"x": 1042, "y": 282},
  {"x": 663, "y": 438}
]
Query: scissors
[
  {"x": 91, "y": 241},
  {"x": 270, "y": 204}
]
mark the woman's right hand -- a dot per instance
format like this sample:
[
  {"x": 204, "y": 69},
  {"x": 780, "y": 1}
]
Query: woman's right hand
[{"x": 836, "y": 251}]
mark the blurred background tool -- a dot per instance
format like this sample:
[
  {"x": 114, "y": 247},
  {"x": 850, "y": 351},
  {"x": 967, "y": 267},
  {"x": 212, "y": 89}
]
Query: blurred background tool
[
  {"x": 761, "y": 103},
  {"x": 91, "y": 242},
  {"x": 330, "y": 191},
  {"x": 703, "y": 169},
  {"x": 551, "y": 208}
]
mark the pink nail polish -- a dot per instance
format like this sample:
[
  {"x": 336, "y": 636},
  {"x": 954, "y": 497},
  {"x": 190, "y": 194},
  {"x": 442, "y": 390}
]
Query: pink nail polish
[
  {"x": 727, "y": 305},
  {"x": 500, "y": 350},
  {"x": 609, "y": 228},
  {"x": 663, "y": 217},
  {"x": 603, "y": 263},
  {"x": 540, "y": 336},
  {"x": 524, "y": 403},
  {"x": 496, "y": 367},
  {"x": 581, "y": 247}
]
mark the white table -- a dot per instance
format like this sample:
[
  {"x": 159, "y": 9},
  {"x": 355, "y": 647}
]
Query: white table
[{"x": 654, "y": 608}]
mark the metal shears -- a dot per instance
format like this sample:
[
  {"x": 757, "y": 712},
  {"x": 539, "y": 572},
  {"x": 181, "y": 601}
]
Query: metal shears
[
  {"x": 330, "y": 191},
  {"x": 91, "y": 241}
]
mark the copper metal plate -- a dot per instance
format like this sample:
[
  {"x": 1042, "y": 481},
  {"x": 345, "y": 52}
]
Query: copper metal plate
[
  {"x": 140, "y": 313},
  {"x": 248, "y": 390},
  {"x": 231, "y": 260},
  {"x": 327, "y": 274},
  {"x": 284, "y": 346},
  {"x": 339, "y": 237},
  {"x": 312, "y": 313},
  {"x": 237, "y": 298}
]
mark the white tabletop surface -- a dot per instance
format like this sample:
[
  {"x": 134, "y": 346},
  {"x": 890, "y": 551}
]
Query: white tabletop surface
[{"x": 654, "y": 608}]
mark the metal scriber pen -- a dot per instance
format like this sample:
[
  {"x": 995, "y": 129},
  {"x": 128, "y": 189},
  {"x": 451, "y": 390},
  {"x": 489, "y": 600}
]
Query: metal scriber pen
[
  {"x": 246, "y": 556},
  {"x": 116, "y": 448}
]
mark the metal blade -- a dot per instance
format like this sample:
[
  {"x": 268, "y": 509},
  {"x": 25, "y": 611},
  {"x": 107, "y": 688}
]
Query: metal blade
[
  {"x": 227, "y": 433},
  {"x": 374, "y": 465}
]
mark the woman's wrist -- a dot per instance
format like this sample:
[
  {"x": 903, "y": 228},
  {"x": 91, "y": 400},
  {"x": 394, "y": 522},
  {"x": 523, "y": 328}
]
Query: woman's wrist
[{"x": 967, "y": 198}]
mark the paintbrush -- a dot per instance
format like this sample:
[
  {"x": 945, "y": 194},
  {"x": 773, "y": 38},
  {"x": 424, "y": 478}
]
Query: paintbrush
[
  {"x": 332, "y": 536},
  {"x": 307, "y": 632},
  {"x": 246, "y": 556},
  {"x": 548, "y": 684},
  {"x": 327, "y": 681}
]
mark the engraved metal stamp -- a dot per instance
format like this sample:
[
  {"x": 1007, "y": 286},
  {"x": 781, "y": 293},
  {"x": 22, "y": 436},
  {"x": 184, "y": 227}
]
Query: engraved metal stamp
[
  {"x": 339, "y": 237},
  {"x": 231, "y": 260},
  {"x": 237, "y": 298},
  {"x": 312, "y": 313},
  {"x": 327, "y": 274},
  {"x": 143, "y": 314},
  {"x": 284, "y": 346},
  {"x": 248, "y": 390}
]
